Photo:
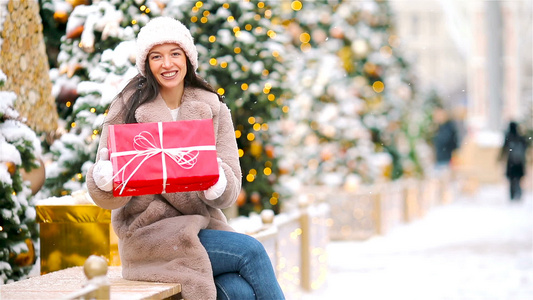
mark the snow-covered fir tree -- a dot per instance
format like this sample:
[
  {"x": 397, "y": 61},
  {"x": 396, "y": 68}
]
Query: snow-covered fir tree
[
  {"x": 19, "y": 150},
  {"x": 86, "y": 81},
  {"x": 349, "y": 119},
  {"x": 239, "y": 55},
  {"x": 242, "y": 51}
]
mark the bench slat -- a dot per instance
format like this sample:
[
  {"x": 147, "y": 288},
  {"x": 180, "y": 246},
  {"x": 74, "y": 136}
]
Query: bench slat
[{"x": 61, "y": 284}]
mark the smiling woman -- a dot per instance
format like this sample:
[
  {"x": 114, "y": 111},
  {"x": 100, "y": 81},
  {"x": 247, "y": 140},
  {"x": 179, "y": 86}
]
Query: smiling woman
[
  {"x": 168, "y": 64},
  {"x": 180, "y": 237}
]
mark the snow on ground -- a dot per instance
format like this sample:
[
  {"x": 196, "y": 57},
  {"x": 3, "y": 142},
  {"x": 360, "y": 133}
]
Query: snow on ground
[{"x": 477, "y": 247}]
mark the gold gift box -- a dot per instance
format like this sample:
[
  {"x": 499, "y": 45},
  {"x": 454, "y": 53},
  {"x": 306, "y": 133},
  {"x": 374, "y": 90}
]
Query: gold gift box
[{"x": 69, "y": 234}]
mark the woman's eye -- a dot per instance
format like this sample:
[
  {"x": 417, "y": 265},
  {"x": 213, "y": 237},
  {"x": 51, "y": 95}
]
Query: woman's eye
[
  {"x": 154, "y": 56},
  {"x": 176, "y": 54}
]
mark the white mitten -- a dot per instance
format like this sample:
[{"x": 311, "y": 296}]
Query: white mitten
[
  {"x": 216, "y": 190},
  {"x": 103, "y": 171}
]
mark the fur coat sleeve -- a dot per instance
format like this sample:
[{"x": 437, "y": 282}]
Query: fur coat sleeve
[{"x": 158, "y": 234}]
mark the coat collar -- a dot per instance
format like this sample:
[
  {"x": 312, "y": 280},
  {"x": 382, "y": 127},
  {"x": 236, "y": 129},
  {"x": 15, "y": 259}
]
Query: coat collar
[{"x": 157, "y": 110}]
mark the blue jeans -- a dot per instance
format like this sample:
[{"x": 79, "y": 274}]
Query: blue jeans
[{"x": 241, "y": 266}]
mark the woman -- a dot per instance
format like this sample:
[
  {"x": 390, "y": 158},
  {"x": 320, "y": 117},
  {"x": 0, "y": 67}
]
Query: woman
[
  {"x": 514, "y": 151},
  {"x": 181, "y": 237}
]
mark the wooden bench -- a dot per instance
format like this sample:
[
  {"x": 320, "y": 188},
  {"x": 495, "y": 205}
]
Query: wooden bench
[{"x": 72, "y": 283}]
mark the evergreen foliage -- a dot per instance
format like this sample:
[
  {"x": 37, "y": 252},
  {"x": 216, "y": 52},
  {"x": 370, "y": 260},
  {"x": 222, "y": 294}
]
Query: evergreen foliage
[{"x": 19, "y": 147}]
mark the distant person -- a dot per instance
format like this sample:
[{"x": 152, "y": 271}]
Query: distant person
[
  {"x": 514, "y": 151},
  {"x": 445, "y": 141}
]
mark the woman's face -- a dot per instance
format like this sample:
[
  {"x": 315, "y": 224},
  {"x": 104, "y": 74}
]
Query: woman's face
[{"x": 168, "y": 64}]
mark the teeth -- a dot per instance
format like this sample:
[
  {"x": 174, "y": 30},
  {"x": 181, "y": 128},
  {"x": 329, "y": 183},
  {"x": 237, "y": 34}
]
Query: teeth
[{"x": 168, "y": 74}]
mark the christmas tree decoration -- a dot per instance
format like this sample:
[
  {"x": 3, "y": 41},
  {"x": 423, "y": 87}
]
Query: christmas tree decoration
[
  {"x": 25, "y": 259},
  {"x": 36, "y": 176},
  {"x": 11, "y": 167},
  {"x": 25, "y": 63},
  {"x": 19, "y": 152}
]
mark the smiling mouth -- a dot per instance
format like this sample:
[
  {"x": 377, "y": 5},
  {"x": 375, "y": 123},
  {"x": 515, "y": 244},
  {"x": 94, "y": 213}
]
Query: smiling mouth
[{"x": 168, "y": 75}]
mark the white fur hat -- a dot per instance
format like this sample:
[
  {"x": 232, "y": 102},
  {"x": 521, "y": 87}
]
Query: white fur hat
[{"x": 162, "y": 30}]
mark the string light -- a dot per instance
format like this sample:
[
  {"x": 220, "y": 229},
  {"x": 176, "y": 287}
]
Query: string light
[
  {"x": 378, "y": 86},
  {"x": 305, "y": 37},
  {"x": 250, "y": 177},
  {"x": 238, "y": 133},
  {"x": 250, "y": 136},
  {"x": 267, "y": 171},
  {"x": 296, "y": 5}
]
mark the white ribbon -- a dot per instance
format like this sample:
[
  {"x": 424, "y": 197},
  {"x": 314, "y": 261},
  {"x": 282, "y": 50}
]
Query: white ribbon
[{"x": 146, "y": 146}]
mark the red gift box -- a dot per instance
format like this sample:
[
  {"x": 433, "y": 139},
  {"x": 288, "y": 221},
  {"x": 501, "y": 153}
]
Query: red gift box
[{"x": 163, "y": 157}]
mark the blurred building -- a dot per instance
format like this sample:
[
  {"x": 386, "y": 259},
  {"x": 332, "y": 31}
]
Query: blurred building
[
  {"x": 478, "y": 56},
  {"x": 475, "y": 53}
]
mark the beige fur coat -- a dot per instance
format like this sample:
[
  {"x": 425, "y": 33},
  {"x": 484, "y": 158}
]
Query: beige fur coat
[{"x": 158, "y": 234}]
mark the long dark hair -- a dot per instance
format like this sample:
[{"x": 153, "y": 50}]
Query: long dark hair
[{"x": 146, "y": 89}]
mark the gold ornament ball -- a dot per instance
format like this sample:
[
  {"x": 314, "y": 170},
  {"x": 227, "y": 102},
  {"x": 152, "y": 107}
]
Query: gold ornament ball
[
  {"x": 256, "y": 148},
  {"x": 95, "y": 266},
  {"x": 36, "y": 177},
  {"x": 11, "y": 167},
  {"x": 241, "y": 199},
  {"x": 75, "y": 3},
  {"x": 61, "y": 17},
  {"x": 26, "y": 258},
  {"x": 255, "y": 198}
]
